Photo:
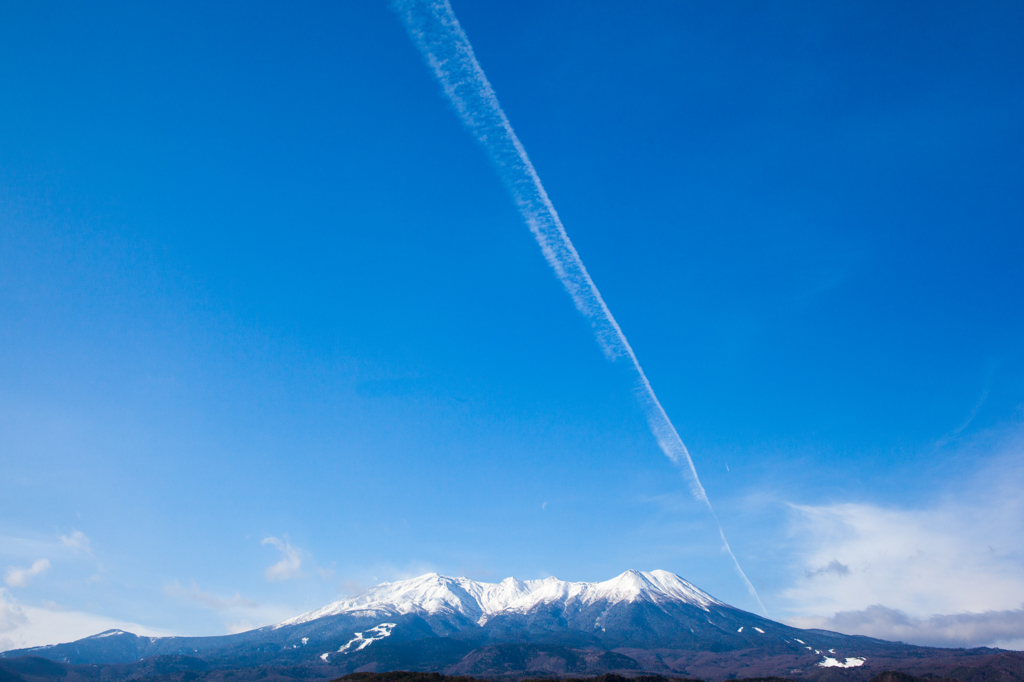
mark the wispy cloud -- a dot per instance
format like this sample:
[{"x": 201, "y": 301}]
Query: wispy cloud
[
  {"x": 435, "y": 30},
  {"x": 77, "y": 542},
  {"x": 20, "y": 577},
  {"x": 238, "y": 613},
  {"x": 208, "y": 599},
  {"x": 290, "y": 565},
  {"x": 75, "y": 546},
  {"x": 951, "y": 436}
]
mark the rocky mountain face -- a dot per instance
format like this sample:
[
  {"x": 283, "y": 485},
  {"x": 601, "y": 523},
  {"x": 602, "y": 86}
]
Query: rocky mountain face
[{"x": 637, "y": 622}]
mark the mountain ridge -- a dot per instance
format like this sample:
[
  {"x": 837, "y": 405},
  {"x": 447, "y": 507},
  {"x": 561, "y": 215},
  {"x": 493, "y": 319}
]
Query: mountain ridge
[{"x": 433, "y": 593}]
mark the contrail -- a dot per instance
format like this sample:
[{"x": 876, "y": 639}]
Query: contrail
[{"x": 436, "y": 32}]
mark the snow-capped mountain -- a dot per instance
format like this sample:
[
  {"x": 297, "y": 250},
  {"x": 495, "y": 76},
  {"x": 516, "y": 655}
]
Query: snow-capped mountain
[
  {"x": 638, "y": 621},
  {"x": 438, "y": 595}
]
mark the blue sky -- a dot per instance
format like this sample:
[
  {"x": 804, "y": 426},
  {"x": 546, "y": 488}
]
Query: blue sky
[{"x": 273, "y": 329}]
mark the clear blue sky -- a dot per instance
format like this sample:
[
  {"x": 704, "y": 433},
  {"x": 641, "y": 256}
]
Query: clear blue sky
[{"x": 256, "y": 281}]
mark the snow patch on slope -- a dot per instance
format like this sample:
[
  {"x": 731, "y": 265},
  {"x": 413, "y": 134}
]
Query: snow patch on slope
[
  {"x": 830, "y": 662},
  {"x": 360, "y": 641}
]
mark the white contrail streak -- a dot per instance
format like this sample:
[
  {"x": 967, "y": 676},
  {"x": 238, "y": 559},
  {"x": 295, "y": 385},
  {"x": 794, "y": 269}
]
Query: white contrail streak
[{"x": 436, "y": 32}]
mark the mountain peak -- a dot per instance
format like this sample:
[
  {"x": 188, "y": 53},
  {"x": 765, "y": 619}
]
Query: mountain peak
[
  {"x": 439, "y": 595},
  {"x": 111, "y": 633}
]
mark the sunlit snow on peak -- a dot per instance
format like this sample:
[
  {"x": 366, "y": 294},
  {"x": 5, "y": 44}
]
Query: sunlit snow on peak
[{"x": 479, "y": 601}]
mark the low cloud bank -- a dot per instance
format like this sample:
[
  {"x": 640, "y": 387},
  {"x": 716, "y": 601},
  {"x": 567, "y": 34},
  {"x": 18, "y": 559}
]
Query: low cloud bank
[
  {"x": 23, "y": 626},
  {"x": 1003, "y": 629},
  {"x": 885, "y": 571}
]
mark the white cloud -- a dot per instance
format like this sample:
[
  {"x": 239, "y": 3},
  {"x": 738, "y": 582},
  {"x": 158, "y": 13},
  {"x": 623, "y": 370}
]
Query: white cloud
[
  {"x": 922, "y": 562},
  {"x": 77, "y": 542},
  {"x": 290, "y": 565},
  {"x": 20, "y": 577},
  {"x": 24, "y": 626},
  {"x": 942, "y": 575}
]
